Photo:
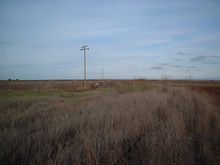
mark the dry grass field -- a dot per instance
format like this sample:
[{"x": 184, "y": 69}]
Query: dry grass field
[{"x": 123, "y": 122}]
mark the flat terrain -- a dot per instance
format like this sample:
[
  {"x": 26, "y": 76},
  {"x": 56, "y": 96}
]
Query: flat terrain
[{"x": 122, "y": 122}]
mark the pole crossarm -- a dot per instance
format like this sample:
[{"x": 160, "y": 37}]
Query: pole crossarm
[{"x": 84, "y": 48}]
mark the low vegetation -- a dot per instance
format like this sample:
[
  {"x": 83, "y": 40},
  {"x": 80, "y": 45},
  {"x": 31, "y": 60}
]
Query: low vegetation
[{"x": 136, "y": 124}]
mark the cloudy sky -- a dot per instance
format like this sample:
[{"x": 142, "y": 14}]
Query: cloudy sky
[{"x": 153, "y": 39}]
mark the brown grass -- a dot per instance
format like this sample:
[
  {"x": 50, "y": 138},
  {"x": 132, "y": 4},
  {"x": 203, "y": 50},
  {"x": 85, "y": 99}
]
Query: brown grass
[{"x": 163, "y": 125}]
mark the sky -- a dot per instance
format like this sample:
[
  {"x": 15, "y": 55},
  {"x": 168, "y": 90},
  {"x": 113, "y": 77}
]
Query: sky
[{"x": 128, "y": 39}]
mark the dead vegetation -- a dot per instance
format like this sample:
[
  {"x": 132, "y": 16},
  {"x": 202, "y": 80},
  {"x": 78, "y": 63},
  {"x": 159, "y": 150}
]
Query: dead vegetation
[{"x": 163, "y": 125}]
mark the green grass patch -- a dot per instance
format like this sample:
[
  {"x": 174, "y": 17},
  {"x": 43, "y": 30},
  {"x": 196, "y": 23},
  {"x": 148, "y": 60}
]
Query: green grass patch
[{"x": 20, "y": 95}]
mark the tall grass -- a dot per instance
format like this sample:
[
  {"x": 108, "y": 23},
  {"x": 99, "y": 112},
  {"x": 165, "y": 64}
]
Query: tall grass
[{"x": 159, "y": 126}]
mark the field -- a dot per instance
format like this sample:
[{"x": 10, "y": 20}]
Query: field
[{"x": 122, "y": 122}]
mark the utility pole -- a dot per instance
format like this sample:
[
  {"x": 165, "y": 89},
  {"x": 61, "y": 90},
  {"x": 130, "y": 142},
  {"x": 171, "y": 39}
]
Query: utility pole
[
  {"x": 103, "y": 73},
  {"x": 84, "y": 49}
]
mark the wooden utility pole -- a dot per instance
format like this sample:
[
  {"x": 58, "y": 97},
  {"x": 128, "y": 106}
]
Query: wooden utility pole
[
  {"x": 84, "y": 49},
  {"x": 103, "y": 74}
]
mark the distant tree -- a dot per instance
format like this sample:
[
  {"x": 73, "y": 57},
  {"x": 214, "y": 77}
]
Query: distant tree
[{"x": 9, "y": 79}]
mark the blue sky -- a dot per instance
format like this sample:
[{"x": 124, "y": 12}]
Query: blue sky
[{"x": 41, "y": 39}]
